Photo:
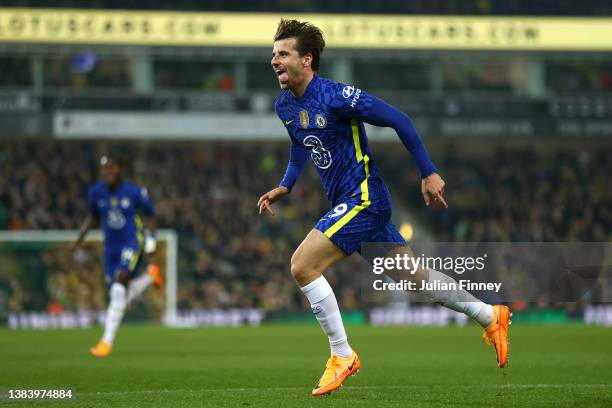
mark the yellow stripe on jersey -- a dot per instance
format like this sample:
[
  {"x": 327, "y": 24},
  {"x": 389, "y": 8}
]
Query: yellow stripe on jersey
[
  {"x": 140, "y": 238},
  {"x": 355, "y": 127},
  {"x": 365, "y": 194}
]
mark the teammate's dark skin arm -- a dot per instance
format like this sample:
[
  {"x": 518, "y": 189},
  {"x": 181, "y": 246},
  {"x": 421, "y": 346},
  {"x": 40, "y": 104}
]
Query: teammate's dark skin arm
[
  {"x": 90, "y": 222},
  {"x": 150, "y": 222}
]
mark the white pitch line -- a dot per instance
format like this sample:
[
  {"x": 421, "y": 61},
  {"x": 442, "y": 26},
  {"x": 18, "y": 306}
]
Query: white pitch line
[{"x": 350, "y": 387}]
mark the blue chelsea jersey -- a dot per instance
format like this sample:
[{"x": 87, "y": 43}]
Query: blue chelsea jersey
[
  {"x": 119, "y": 212},
  {"x": 325, "y": 121}
]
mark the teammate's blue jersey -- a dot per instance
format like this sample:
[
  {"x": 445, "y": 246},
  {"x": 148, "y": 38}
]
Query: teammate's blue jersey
[
  {"x": 325, "y": 121},
  {"x": 119, "y": 212}
]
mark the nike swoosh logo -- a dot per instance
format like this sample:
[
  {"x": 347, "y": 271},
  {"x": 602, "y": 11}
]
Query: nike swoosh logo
[
  {"x": 289, "y": 122},
  {"x": 352, "y": 364}
]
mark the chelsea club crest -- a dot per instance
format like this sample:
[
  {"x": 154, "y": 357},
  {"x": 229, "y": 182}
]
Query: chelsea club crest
[{"x": 320, "y": 120}]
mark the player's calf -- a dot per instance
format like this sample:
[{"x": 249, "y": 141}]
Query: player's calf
[
  {"x": 114, "y": 315},
  {"x": 314, "y": 255}
]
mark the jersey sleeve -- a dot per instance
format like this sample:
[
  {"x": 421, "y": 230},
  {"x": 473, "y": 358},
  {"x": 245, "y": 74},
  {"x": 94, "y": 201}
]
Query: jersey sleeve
[
  {"x": 298, "y": 156},
  {"x": 92, "y": 202},
  {"x": 348, "y": 102},
  {"x": 144, "y": 201}
]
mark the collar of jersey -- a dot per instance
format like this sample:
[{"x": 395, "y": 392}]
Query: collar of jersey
[
  {"x": 117, "y": 189},
  {"x": 308, "y": 90}
]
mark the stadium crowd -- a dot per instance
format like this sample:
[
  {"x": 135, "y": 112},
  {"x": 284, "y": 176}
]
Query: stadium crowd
[{"x": 231, "y": 257}]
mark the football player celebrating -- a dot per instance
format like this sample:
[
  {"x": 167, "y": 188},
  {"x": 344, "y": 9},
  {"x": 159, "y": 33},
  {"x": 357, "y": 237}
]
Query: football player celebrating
[{"x": 325, "y": 121}]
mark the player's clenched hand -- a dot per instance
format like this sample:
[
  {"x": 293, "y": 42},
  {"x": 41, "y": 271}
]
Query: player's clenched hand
[
  {"x": 78, "y": 253},
  {"x": 432, "y": 186},
  {"x": 265, "y": 201}
]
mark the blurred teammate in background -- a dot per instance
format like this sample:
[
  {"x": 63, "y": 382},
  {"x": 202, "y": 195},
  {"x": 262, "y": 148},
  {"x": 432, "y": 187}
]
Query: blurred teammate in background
[
  {"x": 325, "y": 121},
  {"x": 119, "y": 205}
]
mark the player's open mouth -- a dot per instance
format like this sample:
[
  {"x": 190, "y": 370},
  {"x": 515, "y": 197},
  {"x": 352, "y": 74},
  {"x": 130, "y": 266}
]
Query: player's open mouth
[{"x": 283, "y": 77}]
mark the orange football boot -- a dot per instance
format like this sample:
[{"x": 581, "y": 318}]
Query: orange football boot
[
  {"x": 102, "y": 349},
  {"x": 336, "y": 372},
  {"x": 158, "y": 279},
  {"x": 497, "y": 334}
]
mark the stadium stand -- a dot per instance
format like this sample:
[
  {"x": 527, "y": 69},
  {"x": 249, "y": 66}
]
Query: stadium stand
[{"x": 230, "y": 257}]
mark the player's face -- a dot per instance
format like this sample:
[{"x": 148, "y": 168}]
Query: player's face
[
  {"x": 110, "y": 172},
  {"x": 287, "y": 64}
]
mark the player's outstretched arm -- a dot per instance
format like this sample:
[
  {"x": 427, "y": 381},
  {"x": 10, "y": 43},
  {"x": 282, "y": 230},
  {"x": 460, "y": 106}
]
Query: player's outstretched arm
[
  {"x": 150, "y": 229},
  {"x": 265, "y": 201},
  {"x": 146, "y": 205},
  {"x": 377, "y": 112},
  {"x": 91, "y": 220},
  {"x": 88, "y": 224},
  {"x": 298, "y": 156}
]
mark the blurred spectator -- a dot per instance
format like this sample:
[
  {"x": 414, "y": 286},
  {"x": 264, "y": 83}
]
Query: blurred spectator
[
  {"x": 194, "y": 74},
  {"x": 86, "y": 71},
  {"x": 478, "y": 75},
  {"x": 572, "y": 78},
  {"x": 15, "y": 72}
]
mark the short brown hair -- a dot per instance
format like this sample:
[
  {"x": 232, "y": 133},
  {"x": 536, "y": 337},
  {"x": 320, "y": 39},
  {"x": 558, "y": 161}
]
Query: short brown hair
[{"x": 308, "y": 38}]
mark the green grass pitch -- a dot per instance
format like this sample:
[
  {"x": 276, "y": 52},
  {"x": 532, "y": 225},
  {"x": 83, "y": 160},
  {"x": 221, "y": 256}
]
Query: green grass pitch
[{"x": 276, "y": 366}]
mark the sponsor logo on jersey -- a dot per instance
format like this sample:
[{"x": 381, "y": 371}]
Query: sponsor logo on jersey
[
  {"x": 320, "y": 120},
  {"x": 304, "y": 119},
  {"x": 320, "y": 156},
  {"x": 355, "y": 98},
  {"x": 348, "y": 91},
  {"x": 115, "y": 219}
]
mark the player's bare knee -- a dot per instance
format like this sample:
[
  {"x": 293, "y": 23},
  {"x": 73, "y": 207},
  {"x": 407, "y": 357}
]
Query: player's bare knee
[
  {"x": 298, "y": 270},
  {"x": 302, "y": 273},
  {"x": 294, "y": 258},
  {"x": 123, "y": 278}
]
